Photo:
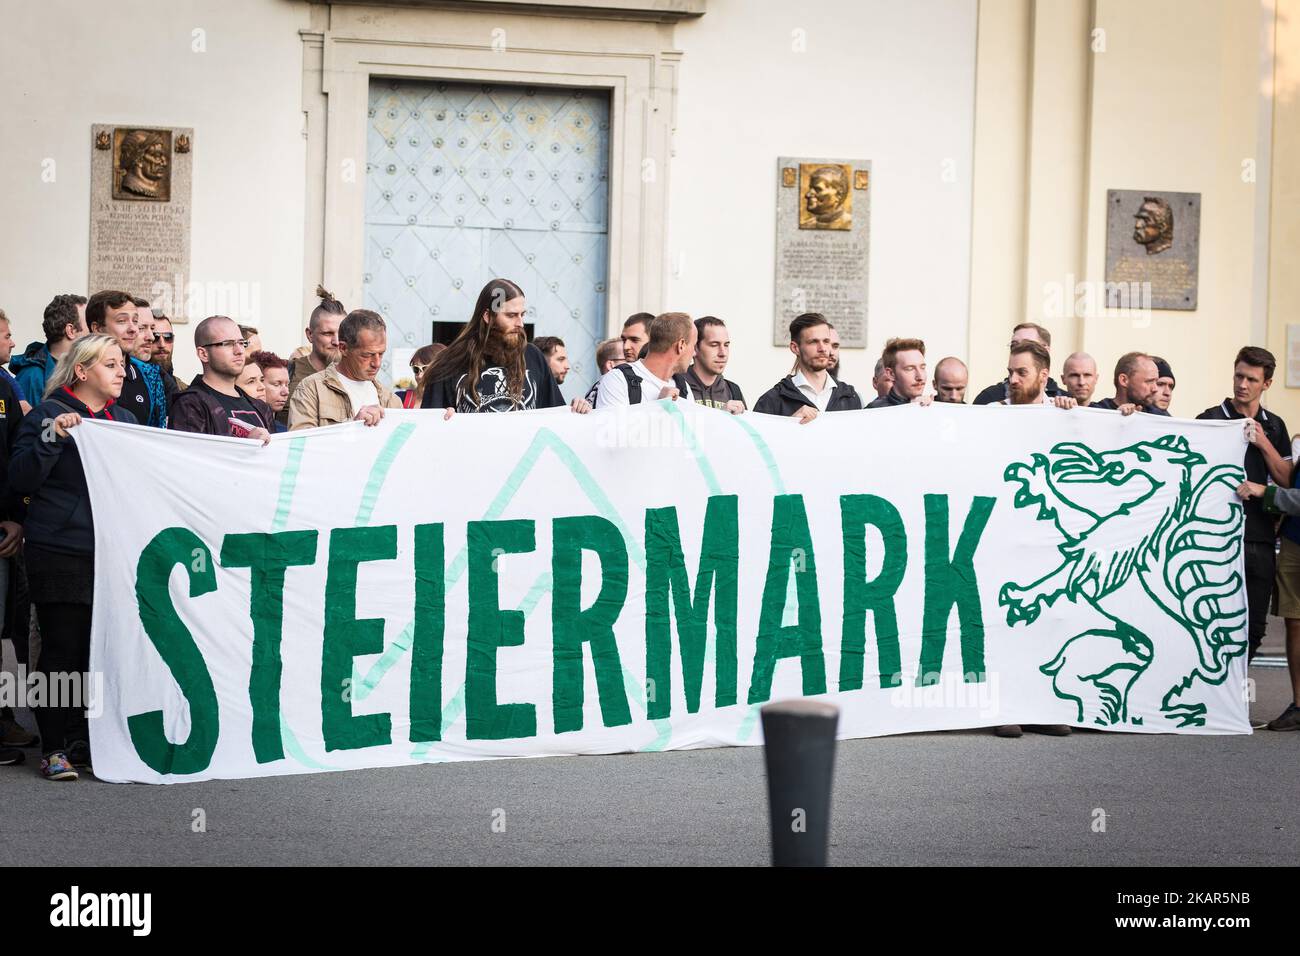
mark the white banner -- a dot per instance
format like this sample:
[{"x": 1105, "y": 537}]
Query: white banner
[{"x": 645, "y": 579}]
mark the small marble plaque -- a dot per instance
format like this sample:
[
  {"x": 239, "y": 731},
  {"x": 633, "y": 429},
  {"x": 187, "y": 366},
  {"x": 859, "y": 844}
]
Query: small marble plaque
[
  {"x": 822, "y": 239},
  {"x": 140, "y": 180},
  {"x": 1152, "y": 249}
]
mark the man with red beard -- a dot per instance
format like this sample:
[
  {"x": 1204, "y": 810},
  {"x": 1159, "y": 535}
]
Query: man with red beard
[
  {"x": 1027, "y": 377},
  {"x": 491, "y": 366}
]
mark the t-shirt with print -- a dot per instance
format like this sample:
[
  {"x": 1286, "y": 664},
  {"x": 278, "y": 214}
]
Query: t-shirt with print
[
  {"x": 240, "y": 413},
  {"x": 493, "y": 392}
]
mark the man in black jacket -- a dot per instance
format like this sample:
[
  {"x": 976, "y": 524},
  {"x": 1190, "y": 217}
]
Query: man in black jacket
[
  {"x": 1135, "y": 386},
  {"x": 809, "y": 389},
  {"x": 214, "y": 404},
  {"x": 905, "y": 358},
  {"x": 999, "y": 393},
  {"x": 11, "y": 539}
]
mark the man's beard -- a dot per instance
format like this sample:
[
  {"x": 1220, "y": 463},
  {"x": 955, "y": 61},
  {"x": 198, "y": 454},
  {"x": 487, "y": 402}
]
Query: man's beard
[
  {"x": 164, "y": 362},
  {"x": 1023, "y": 398},
  {"x": 503, "y": 346}
]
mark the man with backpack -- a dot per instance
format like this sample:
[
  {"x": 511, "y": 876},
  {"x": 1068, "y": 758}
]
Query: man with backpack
[{"x": 661, "y": 374}]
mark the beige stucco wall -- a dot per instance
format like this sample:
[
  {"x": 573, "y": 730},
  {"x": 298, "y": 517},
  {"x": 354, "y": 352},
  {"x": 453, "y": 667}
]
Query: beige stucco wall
[
  {"x": 1284, "y": 203},
  {"x": 879, "y": 80},
  {"x": 1008, "y": 97},
  {"x": 1136, "y": 94},
  {"x": 69, "y": 63}
]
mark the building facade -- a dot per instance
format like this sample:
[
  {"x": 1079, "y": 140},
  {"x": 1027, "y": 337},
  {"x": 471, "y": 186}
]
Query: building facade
[{"x": 615, "y": 156}]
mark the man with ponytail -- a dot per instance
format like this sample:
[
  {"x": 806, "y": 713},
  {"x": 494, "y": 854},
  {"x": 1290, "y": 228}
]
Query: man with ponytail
[
  {"x": 323, "y": 336},
  {"x": 491, "y": 366}
]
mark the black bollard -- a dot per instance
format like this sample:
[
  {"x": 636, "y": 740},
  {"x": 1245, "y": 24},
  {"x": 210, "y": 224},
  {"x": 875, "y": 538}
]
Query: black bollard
[{"x": 799, "y": 748}]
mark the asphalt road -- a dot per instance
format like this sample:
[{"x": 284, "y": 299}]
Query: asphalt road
[{"x": 953, "y": 798}]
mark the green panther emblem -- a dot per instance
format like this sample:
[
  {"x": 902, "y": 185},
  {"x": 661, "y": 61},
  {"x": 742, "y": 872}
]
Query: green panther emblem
[{"x": 1145, "y": 547}]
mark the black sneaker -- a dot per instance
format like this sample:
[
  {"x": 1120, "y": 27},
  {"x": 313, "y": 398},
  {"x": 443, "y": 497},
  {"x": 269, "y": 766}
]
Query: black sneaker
[
  {"x": 79, "y": 754},
  {"x": 10, "y": 756},
  {"x": 1007, "y": 730},
  {"x": 1289, "y": 720},
  {"x": 1051, "y": 730}
]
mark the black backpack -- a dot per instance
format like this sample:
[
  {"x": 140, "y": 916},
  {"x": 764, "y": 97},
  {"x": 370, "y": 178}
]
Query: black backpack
[{"x": 634, "y": 383}]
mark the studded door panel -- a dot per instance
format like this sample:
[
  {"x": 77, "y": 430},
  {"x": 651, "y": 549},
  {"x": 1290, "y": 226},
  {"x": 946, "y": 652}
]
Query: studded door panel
[{"x": 466, "y": 182}]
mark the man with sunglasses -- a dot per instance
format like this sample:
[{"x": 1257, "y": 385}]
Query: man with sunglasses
[
  {"x": 214, "y": 404},
  {"x": 164, "y": 341}
]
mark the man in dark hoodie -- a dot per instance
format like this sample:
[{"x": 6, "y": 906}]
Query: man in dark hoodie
[
  {"x": 63, "y": 323},
  {"x": 809, "y": 390}
]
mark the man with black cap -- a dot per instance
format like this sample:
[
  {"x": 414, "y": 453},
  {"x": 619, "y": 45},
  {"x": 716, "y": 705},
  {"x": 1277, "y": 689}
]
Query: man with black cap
[{"x": 1164, "y": 384}]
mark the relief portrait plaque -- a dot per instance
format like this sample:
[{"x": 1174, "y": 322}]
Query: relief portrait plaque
[
  {"x": 142, "y": 165},
  {"x": 140, "y": 181},
  {"x": 1152, "y": 249},
  {"x": 822, "y": 240},
  {"x": 827, "y": 198}
]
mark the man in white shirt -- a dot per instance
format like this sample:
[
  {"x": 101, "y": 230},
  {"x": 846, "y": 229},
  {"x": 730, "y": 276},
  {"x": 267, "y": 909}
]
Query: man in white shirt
[{"x": 661, "y": 374}]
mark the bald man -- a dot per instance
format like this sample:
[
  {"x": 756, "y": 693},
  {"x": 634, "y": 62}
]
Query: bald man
[
  {"x": 950, "y": 380},
  {"x": 1079, "y": 375}
]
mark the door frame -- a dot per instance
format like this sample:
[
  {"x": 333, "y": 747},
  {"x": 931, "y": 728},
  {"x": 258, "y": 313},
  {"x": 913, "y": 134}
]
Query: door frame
[{"x": 360, "y": 44}]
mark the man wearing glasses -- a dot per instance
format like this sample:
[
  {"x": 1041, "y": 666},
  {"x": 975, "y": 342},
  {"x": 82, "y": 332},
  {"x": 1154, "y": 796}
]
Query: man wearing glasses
[{"x": 214, "y": 404}]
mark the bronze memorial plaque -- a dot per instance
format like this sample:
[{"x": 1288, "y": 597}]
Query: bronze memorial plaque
[
  {"x": 140, "y": 213},
  {"x": 142, "y": 164},
  {"x": 827, "y": 198},
  {"x": 1152, "y": 249},
  {"x": 822, "y": 240}
]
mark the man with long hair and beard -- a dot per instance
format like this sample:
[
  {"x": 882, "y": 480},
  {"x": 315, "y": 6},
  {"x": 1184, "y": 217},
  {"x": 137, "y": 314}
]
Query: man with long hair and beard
[{"x": 491, "y": 366}]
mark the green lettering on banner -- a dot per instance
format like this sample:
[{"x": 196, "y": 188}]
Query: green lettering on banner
[
  {"x": 952, "y": 581},
  {"x": 346, "y": 637},
  {"x": 666, "y": 575},
  {"x": 268, "y": 555},
  {"x": 791, "y": 549},
  {"x": 490, "y": 628},
  {"x": 175, "y": 645},
  {"x": 572, "y": 627},
  {"x": 427, "y": 637},
  {"x": 876, "y": 595}
]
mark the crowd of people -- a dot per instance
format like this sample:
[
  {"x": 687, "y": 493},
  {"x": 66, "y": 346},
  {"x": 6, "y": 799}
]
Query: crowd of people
[{"x": 111, "y": 357}]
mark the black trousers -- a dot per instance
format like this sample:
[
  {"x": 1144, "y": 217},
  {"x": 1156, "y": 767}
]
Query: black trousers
[
  {"x": 65, "y": 649},
  {"x": 1261, "y": 566}
]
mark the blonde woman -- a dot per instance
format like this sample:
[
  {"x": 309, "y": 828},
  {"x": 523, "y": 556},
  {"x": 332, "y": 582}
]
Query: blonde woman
[{"x": 59, "y": 536}]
